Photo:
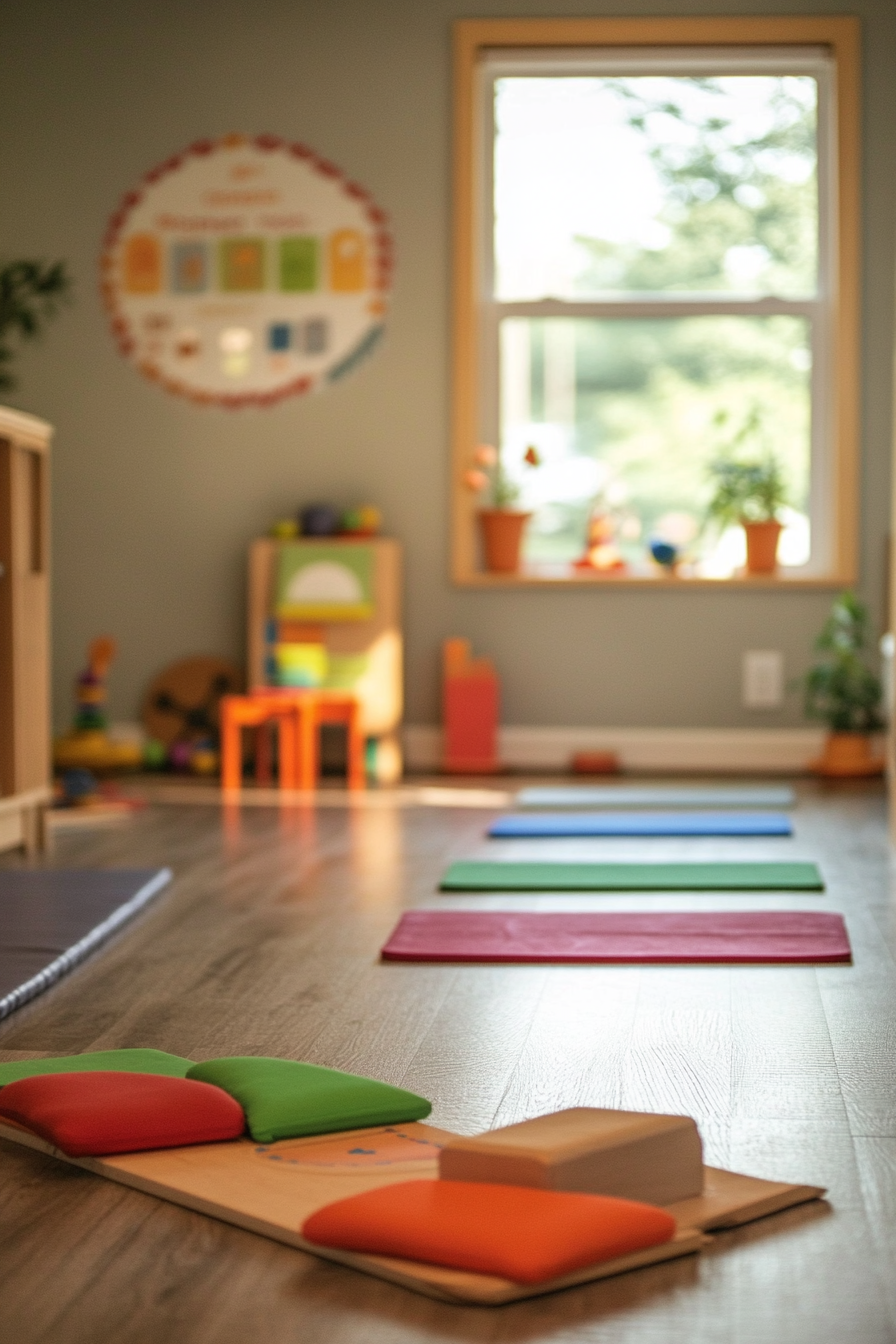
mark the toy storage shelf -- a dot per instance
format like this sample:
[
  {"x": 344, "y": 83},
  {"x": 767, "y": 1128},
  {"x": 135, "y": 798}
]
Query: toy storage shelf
[
  {"x": 24, "y": 628},
  {"x": 378, "y": 640}
]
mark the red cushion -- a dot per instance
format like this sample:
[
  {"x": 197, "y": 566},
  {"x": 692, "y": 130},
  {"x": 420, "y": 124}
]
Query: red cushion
[
  {"x": 517, "y": 1232},
  {"x": 89, "y": 1114}
]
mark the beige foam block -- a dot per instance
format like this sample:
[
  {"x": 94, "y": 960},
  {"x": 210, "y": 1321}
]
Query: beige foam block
[{"x": 655, "y": 1158}]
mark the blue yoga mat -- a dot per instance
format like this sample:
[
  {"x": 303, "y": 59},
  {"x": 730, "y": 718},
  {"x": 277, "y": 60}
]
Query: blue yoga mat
[
  {"x": 52, "y": 918},
  {"x": 658, "y": 795},
  {"x": 641, "y": 824}
]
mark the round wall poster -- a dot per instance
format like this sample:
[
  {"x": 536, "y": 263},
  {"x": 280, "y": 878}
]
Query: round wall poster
[{"x": 246, "y": 270}]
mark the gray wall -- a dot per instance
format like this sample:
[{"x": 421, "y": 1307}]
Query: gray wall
[{"x": 154, "y": 499}]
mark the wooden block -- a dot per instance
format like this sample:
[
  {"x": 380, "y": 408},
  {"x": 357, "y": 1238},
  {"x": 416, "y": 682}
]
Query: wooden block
[{"x": 656, "y": 1158}]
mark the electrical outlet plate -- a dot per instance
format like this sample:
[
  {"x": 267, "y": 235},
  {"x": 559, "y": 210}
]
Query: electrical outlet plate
[{"x": 763, "y": 679}]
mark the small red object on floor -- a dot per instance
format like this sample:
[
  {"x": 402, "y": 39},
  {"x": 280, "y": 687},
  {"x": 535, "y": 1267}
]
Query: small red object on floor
[
  {"x": 470, "y": 707},
  {"x": 595, "y": 763}
]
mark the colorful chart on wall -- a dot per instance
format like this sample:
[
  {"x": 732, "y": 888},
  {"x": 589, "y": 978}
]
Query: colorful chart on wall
[{"x": 245, "y": 270}]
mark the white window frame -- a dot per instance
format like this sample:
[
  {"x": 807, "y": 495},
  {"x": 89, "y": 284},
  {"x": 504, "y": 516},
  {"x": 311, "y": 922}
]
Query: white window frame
[{"x": 823, "y": 48}]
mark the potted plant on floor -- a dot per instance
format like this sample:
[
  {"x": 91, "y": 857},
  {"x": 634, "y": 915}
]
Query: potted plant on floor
[
  {"x": 501, "y": 525},
  {"x": 843, "y": 691},
  {"x": 750, "y": 492}
]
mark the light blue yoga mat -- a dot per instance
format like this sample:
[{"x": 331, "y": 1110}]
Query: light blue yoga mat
[
  {"x": 659, "y": 795},
  {"x": 553, "y": 824}
]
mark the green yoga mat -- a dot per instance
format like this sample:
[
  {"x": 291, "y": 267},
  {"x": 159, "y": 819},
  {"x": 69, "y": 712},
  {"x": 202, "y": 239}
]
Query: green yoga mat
[{"x": 471, "y": 875}]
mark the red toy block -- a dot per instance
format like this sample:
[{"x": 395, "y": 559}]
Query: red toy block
[{"x": 470, "y": 702}]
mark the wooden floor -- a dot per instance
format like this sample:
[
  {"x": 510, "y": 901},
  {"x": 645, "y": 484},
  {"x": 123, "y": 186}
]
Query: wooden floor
[{"x": 267, "y": 943}]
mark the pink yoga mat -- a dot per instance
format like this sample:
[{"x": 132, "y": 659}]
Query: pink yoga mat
[{"x": 752, "y": 936}]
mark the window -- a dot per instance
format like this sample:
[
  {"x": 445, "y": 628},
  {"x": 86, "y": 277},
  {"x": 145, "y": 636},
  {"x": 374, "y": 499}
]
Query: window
[{"x": 656, "y": 270}]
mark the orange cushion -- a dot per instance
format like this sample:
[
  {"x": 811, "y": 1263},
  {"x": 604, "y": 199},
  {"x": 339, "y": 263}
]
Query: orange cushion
[
  {"x": 90, "y": 1114},
  {"x": 516, "y": 1232}
]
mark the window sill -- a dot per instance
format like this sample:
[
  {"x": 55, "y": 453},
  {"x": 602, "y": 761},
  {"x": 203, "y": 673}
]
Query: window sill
[{"x": 778, "y": 582}]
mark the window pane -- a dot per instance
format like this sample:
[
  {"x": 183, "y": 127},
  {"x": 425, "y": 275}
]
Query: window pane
[
  {"x": 628, "y": 414},
  {"x": 626, "y": 185}
]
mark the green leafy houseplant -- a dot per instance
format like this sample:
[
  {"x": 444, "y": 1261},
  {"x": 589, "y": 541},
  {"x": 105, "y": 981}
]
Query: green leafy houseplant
[
  {"x": 841, "y": 689},
  {"x": 30, "y": 294},
  {"x": 749, "y": 491},
  {"x": 746, "y": 492}
]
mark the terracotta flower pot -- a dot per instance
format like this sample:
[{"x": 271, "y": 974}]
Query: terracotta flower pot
[
  {"x": 762, "y": 546},
  {"x": 502, "y": 538},
  {"x": 848, "y": 755}
]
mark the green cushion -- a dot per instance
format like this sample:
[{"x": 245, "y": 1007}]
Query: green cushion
[
  {"x": 283, "y": 1099},
  {"x": 125, "y": 1061}
]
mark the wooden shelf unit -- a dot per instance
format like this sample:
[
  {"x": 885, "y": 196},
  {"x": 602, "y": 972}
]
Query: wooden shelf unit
[{"x": 24, "y": 629}]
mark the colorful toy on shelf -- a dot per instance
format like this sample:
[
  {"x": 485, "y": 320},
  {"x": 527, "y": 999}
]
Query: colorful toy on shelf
[
  {"x": 284, "y": 529},
  {"x": 89, "y": 746},
  {"x": 665, "y": 554},
  {"x": 363, "y": 521},
  {"x": 470, "y": 695},
  {"x": 601, "y": 552},
  {"x": 319, "y": 520},
  {"x": 325, "y": 520}
]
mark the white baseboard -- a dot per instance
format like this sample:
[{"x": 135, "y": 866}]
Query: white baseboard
[{"x": 707, "y": 750}]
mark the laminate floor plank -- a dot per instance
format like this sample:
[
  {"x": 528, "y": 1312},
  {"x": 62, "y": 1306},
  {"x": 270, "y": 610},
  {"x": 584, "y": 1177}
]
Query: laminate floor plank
[
  {"x": 576, "y": 1045},
  {"x": 466, "y": 1059},
  {"x": 876, "y": 1159},
  {"x": 267, "y": 942},
  {"x": 680, "y": 1055},
  {"x": 784, "y": 1061}
]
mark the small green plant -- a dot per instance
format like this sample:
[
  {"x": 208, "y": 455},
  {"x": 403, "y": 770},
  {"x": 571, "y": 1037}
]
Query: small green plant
[
  {"x": 747, "y": 489},
  {"x": 841, "y": 689},
  {"x": 30, "y": 294},
  {"x": 746, "y": 492}
]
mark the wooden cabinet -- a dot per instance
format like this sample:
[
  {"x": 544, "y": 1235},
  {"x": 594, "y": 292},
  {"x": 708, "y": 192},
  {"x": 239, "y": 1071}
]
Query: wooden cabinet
[{"x": 24, "y": 628}]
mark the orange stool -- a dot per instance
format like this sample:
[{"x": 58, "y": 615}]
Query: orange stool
[
  {"x": 298, "y": 714},
  {"x": 258, "y": 711},
  {"x": 315, "y": 707}
]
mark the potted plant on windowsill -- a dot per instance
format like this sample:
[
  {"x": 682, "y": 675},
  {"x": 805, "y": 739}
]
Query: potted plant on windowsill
[
  {"x": 751, "y": 493},
  {"x": 843, "y": 691},
  {"x": 501, "y": 525},
  {"x": 749, "y": 487}
]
